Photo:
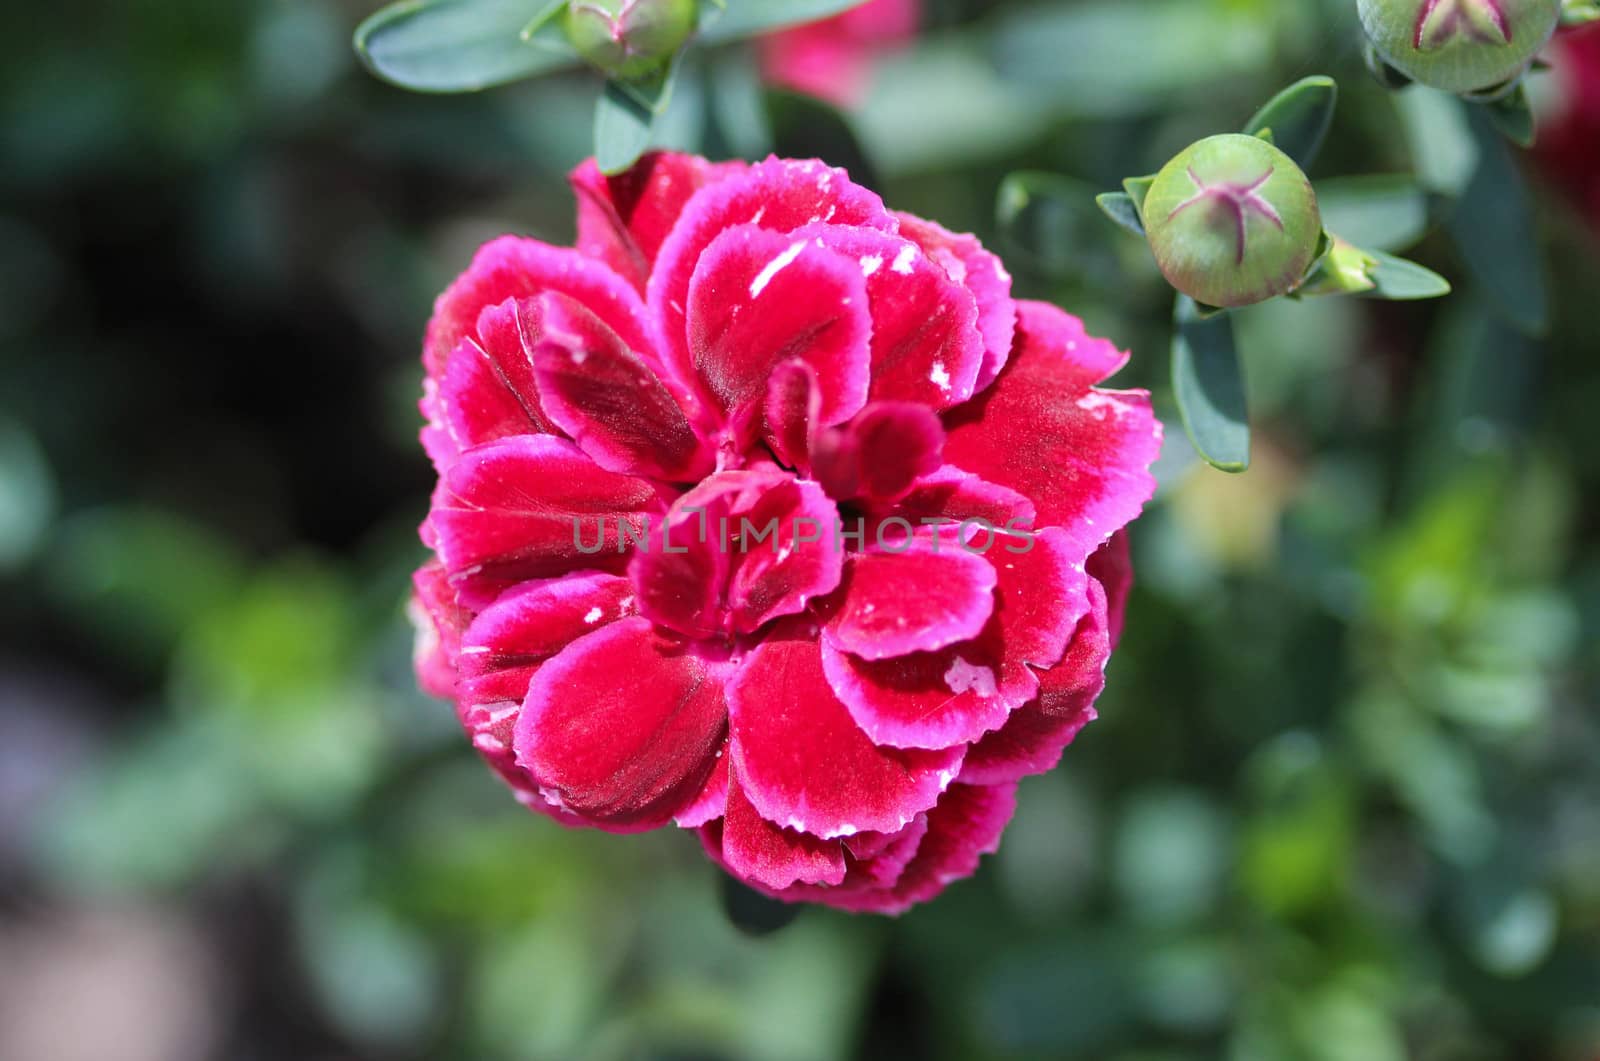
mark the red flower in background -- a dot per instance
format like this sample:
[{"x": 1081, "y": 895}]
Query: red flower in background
[
  {"x": 832, "y": 59},
  {"x": 1569, "y": 141},
  {"x": 843, "y": 719}
]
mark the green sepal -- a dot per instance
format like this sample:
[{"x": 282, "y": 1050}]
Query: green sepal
[
  {"x": 1208, "y": 383},
  {"x": 1137, "y": 188},
  {"x": 1345, "y": 270},
  {"x": 1119, "y": 207},
  {"x": 1352, "y": 270},
  {"x": 1297, "y": 119}
]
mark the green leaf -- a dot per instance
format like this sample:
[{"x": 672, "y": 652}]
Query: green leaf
[
  {"x": 1298, "y": 118},
  {"x": 463, "y": 45},
  {"x": 1493, "y": 227},
  {"x": 625, "y": 117},
  {"x": 1385, "y": 212},
  {"x": 1513, "y": 116},
  {"x": 1399, "y": 280},
  {"x": 746, "y": 18},
  {"x": 1049, "y": 223},
  {"x": 1208, "y": 383},
  {"x": 1118, "y": 206}
]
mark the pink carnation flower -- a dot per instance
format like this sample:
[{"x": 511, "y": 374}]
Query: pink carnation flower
[
  {"x": 832, "y": 59},
  {"x": 765, "y": 511}
]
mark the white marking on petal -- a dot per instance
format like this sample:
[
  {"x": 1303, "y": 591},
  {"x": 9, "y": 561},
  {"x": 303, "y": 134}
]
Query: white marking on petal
[
  {"x": 871, "y": 264},
  {"x": 903, "y": 260},
  {"x": 963, "y": 676},
  {"x": 940, "y": 376},
  {"x": 775, "y": 266},
  {"x": 593, "y": 614}
]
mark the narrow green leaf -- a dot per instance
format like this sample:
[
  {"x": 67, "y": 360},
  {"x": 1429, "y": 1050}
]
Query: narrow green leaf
[
  {"x": 1118, "y": 206},
  {"x": 1385, "y": 212},
  {"x": 1208, "y": 383},
  {"x": 1298, "y": 118},
  {"x": 1493, "y": 227},
  {"x": 462, "y": 45},
  {"x": 746, "y": 18},
  {"x": 1399, "y": 280},
  {"x": 1513, "y": 116}
]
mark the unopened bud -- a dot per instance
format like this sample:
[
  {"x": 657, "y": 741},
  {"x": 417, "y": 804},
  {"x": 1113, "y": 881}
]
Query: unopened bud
[
  {"x": 629, "y": 38},
  {"x": 1459, "y": 46},
  {"x": 1232, "y": 221}
]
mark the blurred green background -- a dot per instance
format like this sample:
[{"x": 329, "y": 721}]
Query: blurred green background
[{"x": 1344, "y": 800}]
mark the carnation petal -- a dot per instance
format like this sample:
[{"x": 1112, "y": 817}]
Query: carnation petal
[
  {"x": 926, "y": 346},
  {"x": 1081, "y": 454},
  {"x": 957, "y": 694},
  {"x": 917, "y": 600},
  {"x": 881, "y": 453},
  {"x": 623, "y": 218},
  {"x": 966, "y": 262},
  {"x": 513, "y": 268},
  {"x": 780, "y": 195},
  {"x": 622, "y": 726},
  {"x": 772, "y": 856},
  {"x": 800, "y": 559},
  {"x": 759, "y": 298},
  {"x": 805, "y": 764},
  {"x": 528, "y": 624},
  {"x": 608, "y": 400},
  {"x": 531, "y": 506}
]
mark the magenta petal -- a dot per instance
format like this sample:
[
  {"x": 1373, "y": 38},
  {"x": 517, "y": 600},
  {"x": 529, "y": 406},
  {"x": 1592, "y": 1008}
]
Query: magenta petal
[
  {"x": 919, "y": 600},
  {"x": 1112, "y": 566},
  {"x": 966, "y": 825},
  {"x": 966, "y": 263},
  {"x": 531, "y": 506},
  {"x": 780, "y": 195},
  {"x": 881, "y": 453},
  {"x": 623, "y": 219},
  {"x": 712, "y": 802},
  {"x": 1033, "y": 738},
  {"x": 681, "y": 575},
  {"x": 805, "y": 764},
  {"x": 488, "y": 389},
  {"x": 759, "y": 298},
  {"x": 528, "y": 624},
  {"x": 926, "y": 347},
  {"x": 793, "y": 413},
  {"x": 623, "y": 725},
  {"x": 1081, "y": 454},
  {"x": 955, "y": 496},
  {"x": 772, "y": 856},
  {"x": 957, "y": 694},
  {"x": 800, "y": 559},
  {"x": 608, "y": 400},
  {"x": 438, "y": 622},
  {"x": 514, "y": 268}
]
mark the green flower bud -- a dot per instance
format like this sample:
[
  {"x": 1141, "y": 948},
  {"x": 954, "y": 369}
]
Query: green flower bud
[
  {"x": 629, "y": 38},
  {"x": 1233, "y": 221},
  {"x": 1459, "y": 46}
]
